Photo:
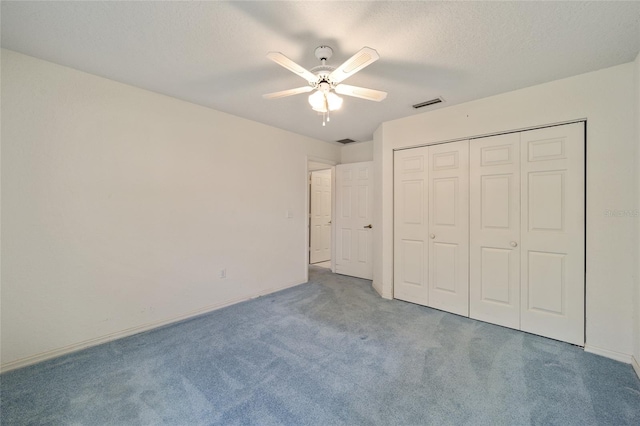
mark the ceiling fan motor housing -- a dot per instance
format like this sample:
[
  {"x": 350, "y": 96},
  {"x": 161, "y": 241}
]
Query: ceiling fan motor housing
[
  {"x": 324, "y": 86},
  {"x": 323, "y": 53}
]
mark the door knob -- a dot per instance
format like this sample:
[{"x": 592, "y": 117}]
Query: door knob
[
  {"x": 514, "y": 244},
  {"x": 368, "y": 226},
  {"x": 432, "y": 236},
  {"x": 329, "y": 222}
]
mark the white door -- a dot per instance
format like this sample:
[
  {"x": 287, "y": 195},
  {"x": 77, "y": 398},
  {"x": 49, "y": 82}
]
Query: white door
[
  {"x": 411, "y": 195},
  {"x": 494, "y": 251},
  {"x": 449, "y": 227},
  {"x": 320, "y": 221},
  {"x": 552, "y": 245},
  {"x": 354, "y": 218}
]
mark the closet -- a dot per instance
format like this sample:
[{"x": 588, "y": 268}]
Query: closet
[{"x": 493, "y": 228}]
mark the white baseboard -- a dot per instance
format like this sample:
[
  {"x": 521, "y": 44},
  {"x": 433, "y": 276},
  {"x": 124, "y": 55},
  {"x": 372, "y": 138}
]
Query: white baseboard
[
  {"x": 43, "y": 356},
  {"x": 636, "y": 365},
  {"x": 618, "y": 356}
]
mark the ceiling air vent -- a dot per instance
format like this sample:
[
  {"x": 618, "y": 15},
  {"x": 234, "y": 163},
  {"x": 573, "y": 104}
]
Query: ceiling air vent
[
  {"x": 427, "y": 103},
  {"x": 345, "y": 141}
]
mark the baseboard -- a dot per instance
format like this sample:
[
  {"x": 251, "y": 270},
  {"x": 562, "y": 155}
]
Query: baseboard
[
  {"x": 636, "y": 365},
  {"x": 618, "y": 356},
  {"x": 43, "y": 356}
]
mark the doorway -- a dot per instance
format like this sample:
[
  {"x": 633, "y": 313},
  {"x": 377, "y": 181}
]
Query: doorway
[
  {"x": 320, "y": 216},
  {"x": 320, "y": 175}
]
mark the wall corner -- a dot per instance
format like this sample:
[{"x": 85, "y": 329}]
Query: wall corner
[{"x": 636, "y": 312}]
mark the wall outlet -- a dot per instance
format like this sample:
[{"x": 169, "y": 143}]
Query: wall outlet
[{"x": 223, "y": 273}]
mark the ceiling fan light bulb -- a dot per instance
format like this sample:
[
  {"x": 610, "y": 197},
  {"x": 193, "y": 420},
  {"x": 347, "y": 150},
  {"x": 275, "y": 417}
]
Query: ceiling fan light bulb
[
  {"x": 334, "y": 101},
  {"x": 316, "y": 100}
]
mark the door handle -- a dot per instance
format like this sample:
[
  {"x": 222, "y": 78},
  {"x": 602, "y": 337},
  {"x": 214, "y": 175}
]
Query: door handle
[
  {"x": 368, "y": 226},
  {"x": 432, "y": 236},
  {"x": 329, "y": 222},
  {"x": 514, "y": 244}
]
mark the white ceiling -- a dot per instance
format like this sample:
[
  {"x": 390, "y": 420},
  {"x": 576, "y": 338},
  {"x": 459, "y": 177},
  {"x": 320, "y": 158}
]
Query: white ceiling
[{"x": 213, "y": 53}]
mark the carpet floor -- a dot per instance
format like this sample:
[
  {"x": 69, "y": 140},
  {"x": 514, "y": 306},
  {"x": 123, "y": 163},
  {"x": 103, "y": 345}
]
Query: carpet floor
[{"x": 328, "y": 352}]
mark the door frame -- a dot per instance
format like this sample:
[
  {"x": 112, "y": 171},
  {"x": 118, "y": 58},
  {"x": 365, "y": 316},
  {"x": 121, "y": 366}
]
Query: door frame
[{"x": 330, "y": 165}]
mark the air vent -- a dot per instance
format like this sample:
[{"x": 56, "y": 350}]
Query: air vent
[
  {"x": 345, "y": 141},
  {"x": 427, "y": 103}
]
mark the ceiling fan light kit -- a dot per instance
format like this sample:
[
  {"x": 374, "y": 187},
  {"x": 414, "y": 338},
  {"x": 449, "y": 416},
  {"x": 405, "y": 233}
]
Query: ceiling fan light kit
[
  {"x": 326, "y": 80},
  {"x": 325, "y": 101}
]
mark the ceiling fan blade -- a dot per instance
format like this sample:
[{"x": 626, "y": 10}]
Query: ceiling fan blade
[
  {"x": 361, "y": 92},
  {"x": 290, "y": 92},
  {"x": 365, "y": 56},
  {"x": 283, "y": 61}
]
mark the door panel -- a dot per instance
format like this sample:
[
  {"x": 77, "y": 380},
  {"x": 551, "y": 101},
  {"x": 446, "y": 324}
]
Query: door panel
[
  {"x": 494, "y": 283},
  {"x": 413, "y": 258},
  {"x": 552, "y": 255},
  {"x": 444, "y": 267},
  {"x": 449, "y": 227},
  {"x": 443, "y": 202},
  {"x": 546, "y": 199},
  {"x": 547, "y": 283},
  {"x": 346, "y": 189},
  {"x": 346, "y": 242},
  {"x": 413, "y": 200},
  {"x": 363, "y": 245},
  {"x": 320, "y": 222},
  {"x": 496, "y": 200},
  {"x": 410, "y": 226},
  {"x": 354, "y": 195}
]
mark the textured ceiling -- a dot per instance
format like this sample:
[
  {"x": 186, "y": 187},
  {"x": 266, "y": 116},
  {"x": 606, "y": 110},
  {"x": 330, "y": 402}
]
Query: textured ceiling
[{"x": 213, "y": 53}]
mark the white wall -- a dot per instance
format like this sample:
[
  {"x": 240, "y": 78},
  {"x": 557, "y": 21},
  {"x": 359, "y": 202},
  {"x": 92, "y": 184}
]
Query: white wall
[
  {"x": 382, "y": 214},
  {"x": 607, "y": 100},
  {"x": 356, "y": 152},
  {"x": 636, "y": 351},
  {"x": 120, "y": 207}
]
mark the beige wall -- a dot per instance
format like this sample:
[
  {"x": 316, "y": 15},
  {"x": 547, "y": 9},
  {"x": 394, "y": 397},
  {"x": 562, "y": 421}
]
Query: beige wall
[
  {"x": 607, "y": 100},
  {"x": 121, "y": 206},
  {"x": 357, "y": 152},
  {"x": 636, "y": 352}
]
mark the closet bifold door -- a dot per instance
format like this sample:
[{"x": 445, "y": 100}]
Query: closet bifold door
[
  {"x": 410, "y": 226},
  {"x": 552, "y": 249},
  {"x": 494, "y": 252},
  {"x": 449, "y": 227}
]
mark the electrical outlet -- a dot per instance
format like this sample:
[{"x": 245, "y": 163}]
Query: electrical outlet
[{"x": 223, "y": 273}]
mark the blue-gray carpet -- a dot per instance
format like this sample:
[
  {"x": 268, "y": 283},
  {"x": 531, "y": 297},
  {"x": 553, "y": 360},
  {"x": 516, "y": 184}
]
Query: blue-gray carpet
[{"x": 328, "y": 352}]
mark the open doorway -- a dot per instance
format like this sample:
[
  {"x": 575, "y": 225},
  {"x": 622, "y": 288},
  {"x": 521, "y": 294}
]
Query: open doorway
[
  {"x": 320, "y": 214},
  {"x": 320, "y": 217}
]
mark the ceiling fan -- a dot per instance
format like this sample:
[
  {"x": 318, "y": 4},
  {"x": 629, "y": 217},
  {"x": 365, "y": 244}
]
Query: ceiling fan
[{"x": 327, "y": 80}]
